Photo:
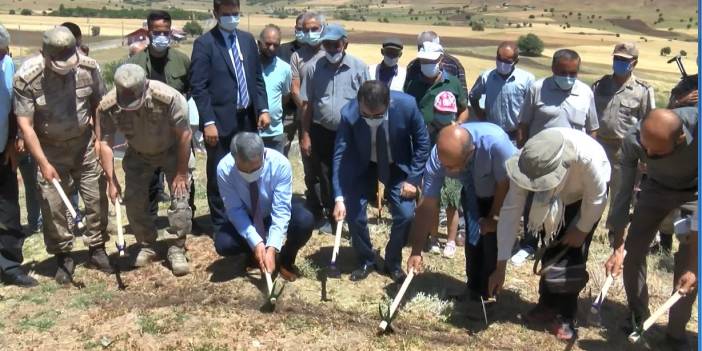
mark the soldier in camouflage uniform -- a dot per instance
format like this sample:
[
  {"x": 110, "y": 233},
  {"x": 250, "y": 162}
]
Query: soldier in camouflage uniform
[
  {"x": 55, "y": 96},
  {"x": 154, "y": 119},
  {"x": 622, "y": 100}
]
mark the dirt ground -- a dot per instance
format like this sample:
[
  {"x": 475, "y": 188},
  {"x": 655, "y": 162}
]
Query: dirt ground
[{"x": 217, "y": 307}]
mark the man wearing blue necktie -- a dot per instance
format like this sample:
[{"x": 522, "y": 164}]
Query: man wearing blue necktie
[
  {"x": 227, "y": 86},
  {"x": 381, "y": 136},
  {"x": 262, "y": 216}
]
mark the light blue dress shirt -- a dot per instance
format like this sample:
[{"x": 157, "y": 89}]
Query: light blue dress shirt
[
  {"x": 487, "y": 167},
  {"x": 8, "y": 71},
  {"x": 278, "y": 78},
  {"x": 503, "y": 98},
  {"x": 274, "y": 198}
]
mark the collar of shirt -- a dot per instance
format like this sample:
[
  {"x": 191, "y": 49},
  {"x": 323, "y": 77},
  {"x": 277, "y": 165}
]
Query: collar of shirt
[{"x": 511, "y": 77}]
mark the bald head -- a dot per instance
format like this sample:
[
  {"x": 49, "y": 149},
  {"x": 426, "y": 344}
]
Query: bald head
[
  {"x": 455, "y": 147},
  {"x": 508, "y": 51},
  {"x": 661, "y": 131}
]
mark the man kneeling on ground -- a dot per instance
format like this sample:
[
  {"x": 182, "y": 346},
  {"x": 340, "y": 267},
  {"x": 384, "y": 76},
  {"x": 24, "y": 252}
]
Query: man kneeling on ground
[{"x": 256, "y": 186}]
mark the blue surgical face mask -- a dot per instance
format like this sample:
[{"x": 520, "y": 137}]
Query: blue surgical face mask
[
  {"x": 313, "y": 38},
  {"x": 444, "y": 118},
  {"x": 564, "y": 82},
  {"x": 621, "y": 68},
  {"x": 430, "y": 70},
  {"x": 160, "y": 43},
  {"x": 504, "y": 68},
  {"x": 300, "y": 36},
  {"x": 229, "y": 23}
]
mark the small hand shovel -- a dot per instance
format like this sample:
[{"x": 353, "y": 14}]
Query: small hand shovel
[
  {"x": 332, "y": 271},
  {"x": 121, "y": 246},
  {"x": 76, "y": 221},
  {"x": 636, "y": 335},
  {"x": 484, "y": 303},
  {"x": 389, "y": 315},
  {"x": 273, "y": 293},
  {"x": 594, "y": 317}
]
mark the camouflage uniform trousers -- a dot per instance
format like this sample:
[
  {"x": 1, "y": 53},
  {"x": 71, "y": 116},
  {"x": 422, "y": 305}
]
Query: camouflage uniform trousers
[
  {"x": 76, "y": 162},
  {"x": 138, "y": 170}
]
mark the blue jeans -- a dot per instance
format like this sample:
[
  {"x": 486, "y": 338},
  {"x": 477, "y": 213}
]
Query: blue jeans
[
  {"x": 401, "y": 209},
  {"x": 28, "y": 168},
  {"x": 228, "y": 241}
]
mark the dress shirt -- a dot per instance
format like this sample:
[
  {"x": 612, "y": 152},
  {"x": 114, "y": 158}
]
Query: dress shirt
[
  {"x": 8, "y": 71},
  {"x": 274, "y": 198},
  {"x": 503, "y": 96},
  {"x": 492, "y": 149},
  {"x": 548, "y": 106}
]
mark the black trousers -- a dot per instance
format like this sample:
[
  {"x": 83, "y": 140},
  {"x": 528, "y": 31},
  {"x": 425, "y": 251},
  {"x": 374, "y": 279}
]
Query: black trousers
[
  {"x": 565, "y": 304},
  {"x": 11, "y": 235},
  {"x": 321, "y": 163},
  {"x": 481, "y": 259},
  {"x": 214, "y": 155}
]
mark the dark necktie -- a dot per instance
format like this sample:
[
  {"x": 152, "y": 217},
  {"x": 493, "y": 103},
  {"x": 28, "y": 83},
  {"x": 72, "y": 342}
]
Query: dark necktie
[
  {"x": 243, "y": 101},
  {"x": 381, "y": 149},
  {"x": 472, "y": 210},
  {"x": 255, "y": 211}
]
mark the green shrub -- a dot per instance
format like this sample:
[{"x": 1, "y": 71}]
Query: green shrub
[{"x": 530, "y": 45}]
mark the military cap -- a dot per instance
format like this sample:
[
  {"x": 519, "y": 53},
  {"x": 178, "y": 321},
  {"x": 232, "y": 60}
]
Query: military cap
[
  {"x": 59, "y": 45},
  {"x": 130, "y": 85},
  {"x": 626, "y": 50}
]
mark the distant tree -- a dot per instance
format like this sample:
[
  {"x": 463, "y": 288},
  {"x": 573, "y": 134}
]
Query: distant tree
[
  {"x": 530, "y": 45},
  {"x": 12, "y": 12},
  {"x": 628, "y": 17},
  {"x": 670, "y": 29},
  {"x": 683, "y": 53},
  {"x": 477, "y": 27},
  {"x": 193, "y": 28},
  {"x": 26, "y": 12},
  {"x": 386, "y": 20},
  {"x": 532, "y": 16},
  {"x": 665, "y": 51},
  {"x": 552, "y": 10},
  {"x": 689, "y": 26},
  {"x": 95, "y": 31},
  {"x": 617, "y": 35}
]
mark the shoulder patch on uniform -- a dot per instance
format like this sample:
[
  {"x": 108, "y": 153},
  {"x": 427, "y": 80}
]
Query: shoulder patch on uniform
[
  {"x": 31, "y": 70},
  {"x": 86, "y": 61},
  {"x": 109, "y": 100},
  {"x": 643, "y": 82},
  {"x": 160, "y": 93}
]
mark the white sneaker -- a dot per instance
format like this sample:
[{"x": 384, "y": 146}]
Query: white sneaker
[
  {"x": 520, "y": 257},
  {"x": 450, "y": 249},
  {"x": 435, "y": 249}
]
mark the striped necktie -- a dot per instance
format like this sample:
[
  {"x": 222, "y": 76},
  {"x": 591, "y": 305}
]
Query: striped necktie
[{"x": 243, "y": 97}]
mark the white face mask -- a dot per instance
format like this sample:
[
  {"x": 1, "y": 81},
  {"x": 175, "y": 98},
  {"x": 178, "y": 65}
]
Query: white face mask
[
  {"x": 430, "y": 70},
  {"x": 336, "y": 58},
  {"x": 390, "y": 61},
  {"x": 374, "y": 123},
  {"x": 251, "y": 177},
  {"x": 229, "y": 23}
]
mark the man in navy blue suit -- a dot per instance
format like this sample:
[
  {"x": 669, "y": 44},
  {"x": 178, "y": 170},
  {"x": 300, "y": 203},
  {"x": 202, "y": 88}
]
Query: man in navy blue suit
[
  {"x": 382, "y": 136},
  {"x": 227, "y": 86}
]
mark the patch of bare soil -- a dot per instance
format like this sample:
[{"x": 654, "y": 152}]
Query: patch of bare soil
[{"x": 640, "y": 26}]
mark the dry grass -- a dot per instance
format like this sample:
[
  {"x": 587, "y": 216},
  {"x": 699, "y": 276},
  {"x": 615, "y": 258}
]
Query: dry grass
[{"x": 210, "y": 309}]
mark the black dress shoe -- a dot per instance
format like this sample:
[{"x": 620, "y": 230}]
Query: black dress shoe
[
  {"x": 20, "y": 279},
  {"x": 362, "y": 272},
  {"x": 397, "y": 275}
]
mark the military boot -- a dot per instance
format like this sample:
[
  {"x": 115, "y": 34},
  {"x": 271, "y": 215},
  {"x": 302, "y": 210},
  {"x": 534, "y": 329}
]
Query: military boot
[
  {"x": 64, "y": 269},
  {"x": 145, "y": 256},
  {"x": 99, "y": 260},
  {"x": 178, "y": 261}
]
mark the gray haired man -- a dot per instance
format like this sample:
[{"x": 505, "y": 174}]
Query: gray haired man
[{"x": 262, "y": 217}]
